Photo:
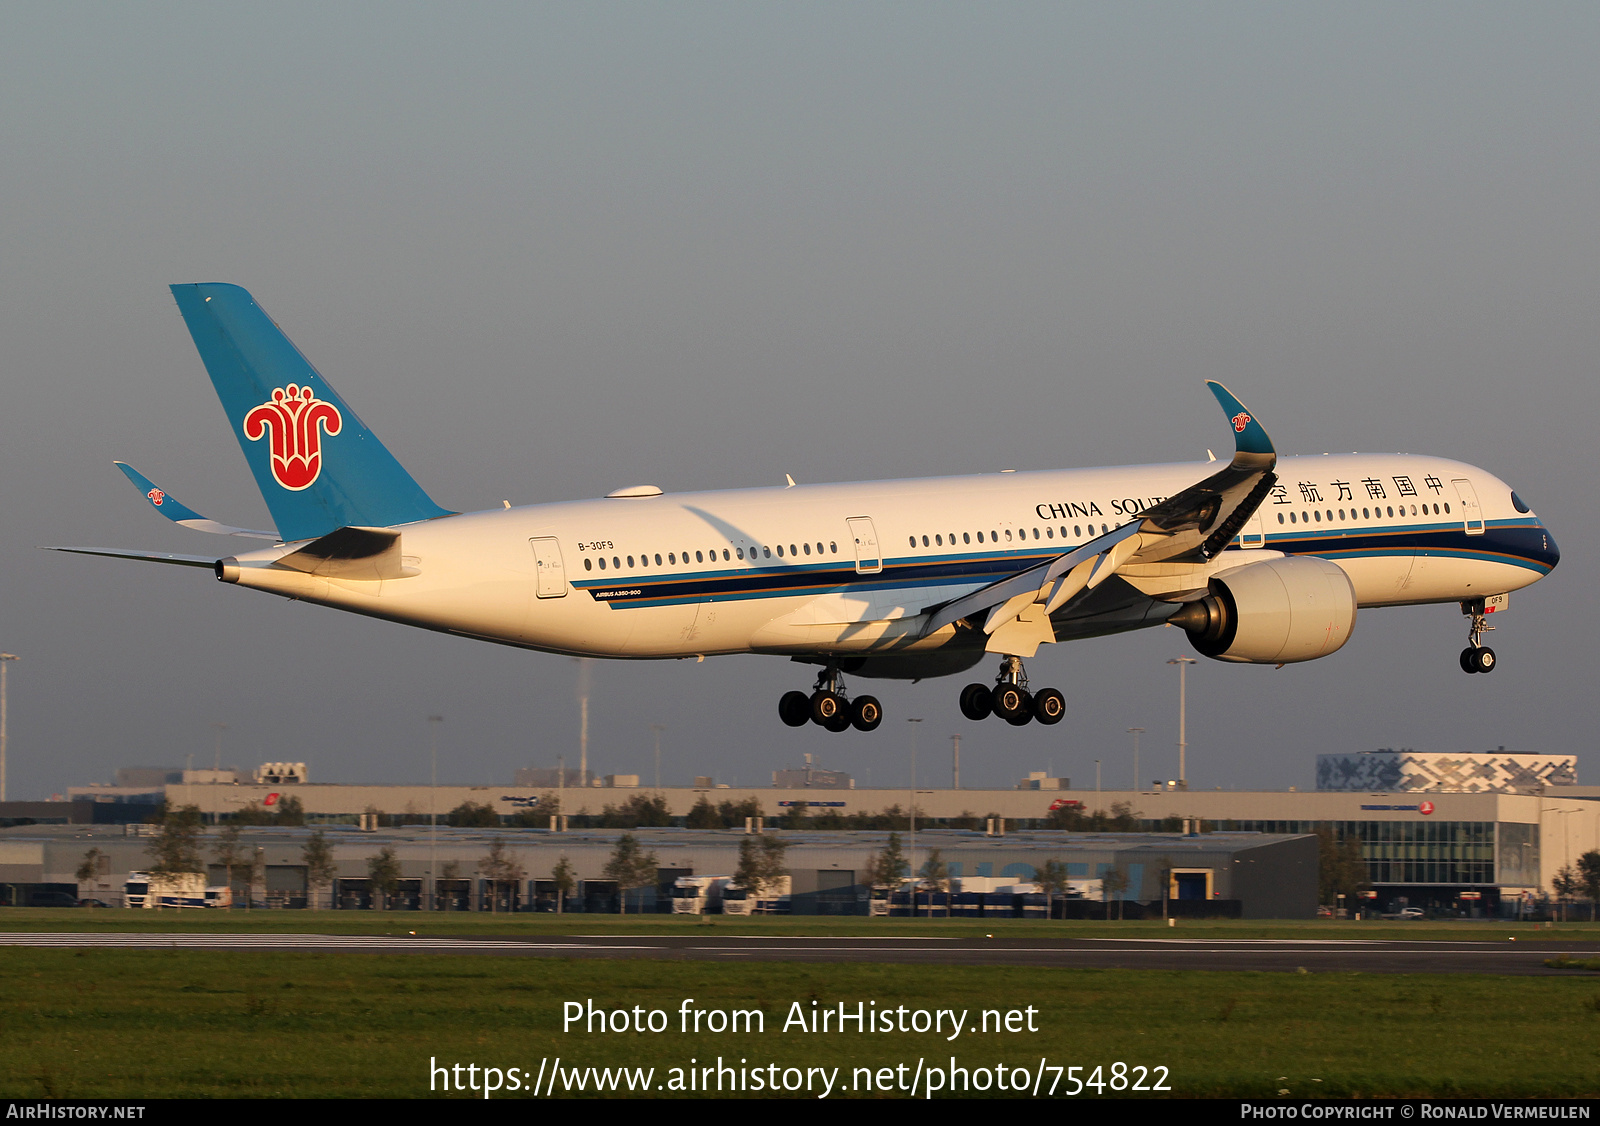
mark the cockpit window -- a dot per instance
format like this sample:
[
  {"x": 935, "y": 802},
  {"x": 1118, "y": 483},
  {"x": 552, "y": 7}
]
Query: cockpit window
[{"x": 1519, "y": 504}]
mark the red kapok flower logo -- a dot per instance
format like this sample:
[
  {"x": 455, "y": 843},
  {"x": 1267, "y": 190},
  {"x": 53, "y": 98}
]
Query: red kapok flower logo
[
  {"x": 296, "y": 419},
  {"x": 1240, "y": 421},
  {"x": 156, "y": 497}
]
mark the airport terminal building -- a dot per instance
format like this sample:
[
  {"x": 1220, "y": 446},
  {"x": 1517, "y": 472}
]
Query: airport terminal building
[{"x": 1484, "y": 830}]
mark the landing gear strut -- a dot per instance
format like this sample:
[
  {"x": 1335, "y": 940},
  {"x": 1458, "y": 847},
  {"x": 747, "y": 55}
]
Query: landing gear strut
[
  {"x": 830, "y": 707},
  {"x": 1477, "y": 657},
  {"x": 1010, "y": 699}
]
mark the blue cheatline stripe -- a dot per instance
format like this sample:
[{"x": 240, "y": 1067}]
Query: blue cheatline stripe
[{"x": 917, "y": 572}]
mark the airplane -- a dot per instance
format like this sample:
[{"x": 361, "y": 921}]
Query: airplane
[{"x": 1259, "y": 560}]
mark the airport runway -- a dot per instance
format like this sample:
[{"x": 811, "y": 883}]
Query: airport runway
[{"x": 1270, "y": 955}]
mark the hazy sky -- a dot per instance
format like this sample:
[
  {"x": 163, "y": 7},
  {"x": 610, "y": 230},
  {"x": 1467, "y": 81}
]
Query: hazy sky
[{"x": 550, "y": 250}]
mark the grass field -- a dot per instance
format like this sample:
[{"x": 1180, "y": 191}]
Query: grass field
[
  {"x": 477, "y": 923},
  {"x": 129, "y": 1024}
]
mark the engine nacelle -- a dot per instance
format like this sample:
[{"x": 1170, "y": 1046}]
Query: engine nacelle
[{"x": 1297, "y": 608}]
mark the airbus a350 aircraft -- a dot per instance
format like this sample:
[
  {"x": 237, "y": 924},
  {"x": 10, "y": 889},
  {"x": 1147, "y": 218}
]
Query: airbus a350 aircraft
[{"x": 1260, "y": 561}]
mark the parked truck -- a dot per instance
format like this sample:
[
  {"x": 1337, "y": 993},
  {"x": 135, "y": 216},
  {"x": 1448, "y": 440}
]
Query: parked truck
[
  {"x": 773, "y": 900},
  {"x": 179, "y": 889},
  {"x": 699, "y": 895}
]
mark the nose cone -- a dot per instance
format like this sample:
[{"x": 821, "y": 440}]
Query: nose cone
[{"x": 1551, "y": 554}]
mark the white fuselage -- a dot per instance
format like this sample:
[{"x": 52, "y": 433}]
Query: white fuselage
[{"x": 849, "y": 568}]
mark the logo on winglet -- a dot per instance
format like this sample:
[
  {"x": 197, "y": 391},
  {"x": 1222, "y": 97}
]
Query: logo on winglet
[
  {"x": 296, "y": 419},
  {"x": 156, "y": 497},
  {"x": 1240, "y": 421}
]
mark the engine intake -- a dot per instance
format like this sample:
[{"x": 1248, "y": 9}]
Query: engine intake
[{"x": 1275, "y": 612}]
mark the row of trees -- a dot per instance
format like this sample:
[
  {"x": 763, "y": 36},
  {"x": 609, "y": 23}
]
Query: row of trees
[{"x": 1583, "y": 881}]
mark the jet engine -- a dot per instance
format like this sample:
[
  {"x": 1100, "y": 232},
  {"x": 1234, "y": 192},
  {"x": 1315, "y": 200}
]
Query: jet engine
[{"x": 1296, "y": 608}]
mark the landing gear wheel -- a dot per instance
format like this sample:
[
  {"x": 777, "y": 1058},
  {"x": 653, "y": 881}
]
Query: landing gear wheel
[
  {"x": 827, "y": 707},
  {"x": 1009, "y": 702},
  {"x": 976, "y": 702},
  {"x": 1467, "y": 656},
  {"x": 794, "y": 708},
  {"x": 840, "y": 722},
  {"x": 1049, "y": 706},
  {"x": 1023, "y": 718},
  {"x": 866, "y": 713},
  {"x": 1483, "y": 660}
]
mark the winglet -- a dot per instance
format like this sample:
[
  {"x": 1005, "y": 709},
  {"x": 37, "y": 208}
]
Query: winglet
[
  {"x": 1248, "y": 436},
  {"x": 169, "y": 506}
]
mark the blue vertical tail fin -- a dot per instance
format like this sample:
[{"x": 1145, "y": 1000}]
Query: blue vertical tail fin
[{"x": 317, "y": 465}]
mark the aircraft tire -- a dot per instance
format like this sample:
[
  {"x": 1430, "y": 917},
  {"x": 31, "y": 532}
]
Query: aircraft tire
[
  {"x": 1010, "y": 701},
  {"x": 866, "y": 713},
  {"x": 976, "y": 702},
  {"x": 826, "y": 707},
  {"x": 1049, "y": 706},
  {"x": 1022, "y": 718},
  {"x": 794, "y": 708},
  {"x": 1483, "y": 660},
  {"x": 840, "y": 721},
  {"x": 1468, "y": 658}
]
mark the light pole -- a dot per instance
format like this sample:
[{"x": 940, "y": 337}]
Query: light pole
[
  {"x": 1136, "y": 732},
  {"x": 955, "y": 762},
  {"x": 914, "y": 721},
  {"x": 1097, "y": 776},
  {"x": 433, "y": 807},
  {"x": 658, "y": 728},
  {"x": 1183, "y": 664},
  {"x": 4, "y": 659}
]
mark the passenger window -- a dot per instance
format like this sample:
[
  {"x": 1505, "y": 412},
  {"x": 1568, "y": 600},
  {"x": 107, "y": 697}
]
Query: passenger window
[
  {"x": 938, "y": 541},
  {"x": 1391, "y": 513},
  {"x": 602, "y": 562},
  {"x": 1280, "y": 518},
  {"x": 833, "y": 548},
  {"x": 1318, "y": 515},
  {"x": 1447, "y": 508},
  {"x": 1291, "y": 518},
  {"x": 995, "y": 536},
  {"x": 699, "y": 557},
  {"x": 616, "y": 564},
  {"x": 966, "y": 537},
  {"x": 739, "y": 551},
  {"x": 1049, "y": 533},
  {"x": 780, "y": 551},
  {"x": 924, "y": 541},
  {"x": 766, "y": 553},
  {"x": 726, "y": 555},
  {"x": 1008, "y": 535},
  {"x": 980, "y": 537},
  {"x": 913, "y": 540},
  {"x": 630, "y": 561},
  {"x": 588, "y": 566},
  {"x": 672, "y": 558},
  {"x": 808, "y": 549},
  {"x": 793, "y": 550},
  {"x": 658, "y": 559}
]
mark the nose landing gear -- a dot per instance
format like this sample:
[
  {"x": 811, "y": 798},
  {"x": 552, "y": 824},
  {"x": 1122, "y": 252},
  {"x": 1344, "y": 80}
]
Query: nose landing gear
[
  {"x": 1010, "y": 699},
  {"x": 829, "y": 707},
  {"x": 1477, "y": 657}
]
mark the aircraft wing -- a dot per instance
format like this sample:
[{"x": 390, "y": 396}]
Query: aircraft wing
[
  {"x": 168, "y": 505},
  {"x": 1191, "y": 527}
]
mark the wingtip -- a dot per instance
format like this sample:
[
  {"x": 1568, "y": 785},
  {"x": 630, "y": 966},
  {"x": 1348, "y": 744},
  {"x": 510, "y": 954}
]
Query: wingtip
[{"x": 1249, "y": 437}]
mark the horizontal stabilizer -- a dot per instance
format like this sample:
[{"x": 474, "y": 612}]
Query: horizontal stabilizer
[
  {"x": 207, "y": 561},
  {"x": 169, "y": 506},
  {"x": 350, "y": 553}
]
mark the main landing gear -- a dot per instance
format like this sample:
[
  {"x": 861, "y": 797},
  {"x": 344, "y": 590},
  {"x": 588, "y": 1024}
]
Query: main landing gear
[
  {"x": 829, "y": 706},
  {"x": 1477, "y": 657},
  {"x": 1010, "y": 699}
]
